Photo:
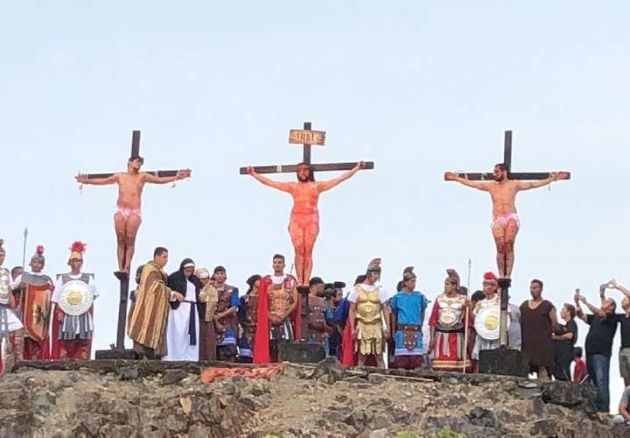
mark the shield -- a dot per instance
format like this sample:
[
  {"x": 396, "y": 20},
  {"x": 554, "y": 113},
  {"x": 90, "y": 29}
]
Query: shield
[
  {"x": 487, "y": 322},
  {"x": 75, "y": 298},
  {"x": 37, "y": 310}
]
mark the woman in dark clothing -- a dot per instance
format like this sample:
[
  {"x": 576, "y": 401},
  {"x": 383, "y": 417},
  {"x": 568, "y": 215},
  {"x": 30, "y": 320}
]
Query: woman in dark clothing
[
  {"x": 538, "y": 317},
  {"x": 564, "y": 338}
]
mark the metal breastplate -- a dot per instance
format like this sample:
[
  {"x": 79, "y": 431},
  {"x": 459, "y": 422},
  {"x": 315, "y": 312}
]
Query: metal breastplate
[
  {"x": 450, "y": 312},
  {"x": 279, "y": 300},
  {"x": 368, "y": 306}
]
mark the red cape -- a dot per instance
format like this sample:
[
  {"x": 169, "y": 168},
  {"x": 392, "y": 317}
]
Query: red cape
[
  {"x": 347, "y": 346},
  {"x": 261, "y": 339}
]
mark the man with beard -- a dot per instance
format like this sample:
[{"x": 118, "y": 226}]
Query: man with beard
[
  {"x": 368, "y": 314},
  {"x": 38, "y": 288},
  {"x": 208, "y": 298},
  {"x": 225, "y": 319},
  {"x": 278, "y": 318},
  {"x": 182, "y": 333},
  {"x": 127, "y": 217},
  {"x": 505, "y": 223},
  {"x": 147, "y": 324},
  {"x": 304, "y": 222},
  {"x": 73, "y": 298}
]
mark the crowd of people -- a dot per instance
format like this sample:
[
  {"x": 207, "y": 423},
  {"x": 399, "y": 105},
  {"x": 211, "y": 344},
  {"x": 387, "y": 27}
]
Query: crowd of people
[{"x": 195, "y": 314}]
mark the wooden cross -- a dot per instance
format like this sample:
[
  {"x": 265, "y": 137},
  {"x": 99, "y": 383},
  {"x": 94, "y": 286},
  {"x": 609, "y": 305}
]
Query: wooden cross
[
  {"x": 306, "y": 137},
  {"x": 507, "y": 160},
  {"x": 135, "y": 152},
  {"x": 118, "y": 350}
]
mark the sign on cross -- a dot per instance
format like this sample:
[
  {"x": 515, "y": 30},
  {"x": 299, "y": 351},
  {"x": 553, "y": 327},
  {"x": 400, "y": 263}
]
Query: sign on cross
[
  {"x": 307, "y": 137},
  {"x": 507, "y": 160}
]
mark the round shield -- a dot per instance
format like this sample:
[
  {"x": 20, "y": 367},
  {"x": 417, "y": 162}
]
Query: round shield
[
  {"x": 487, "y": 322},
  {"x": 75, "y": 298}
]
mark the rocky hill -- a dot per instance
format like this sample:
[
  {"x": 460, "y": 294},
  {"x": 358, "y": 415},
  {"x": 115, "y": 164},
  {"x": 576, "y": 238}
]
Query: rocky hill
[{"x": 154, "y": 399}]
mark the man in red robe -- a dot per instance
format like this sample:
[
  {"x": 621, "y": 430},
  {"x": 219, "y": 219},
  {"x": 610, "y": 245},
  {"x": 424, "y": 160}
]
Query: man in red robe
[
  {"x": 278, "y": 318},
  {"x": 73, "y": 325}
]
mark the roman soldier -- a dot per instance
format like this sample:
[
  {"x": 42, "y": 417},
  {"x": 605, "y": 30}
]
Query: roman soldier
[
  {"x": 73, "y": 303},
  {"x": 10, "y": 324},
  {"x": 38, "y": 288}
]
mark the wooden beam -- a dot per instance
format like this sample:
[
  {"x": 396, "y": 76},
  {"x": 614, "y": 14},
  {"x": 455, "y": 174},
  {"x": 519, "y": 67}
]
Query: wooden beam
[
  {"x": 292, "y": 168},
  {"x": 152, "y": 172},
  {"x": 531, "y": 176}
]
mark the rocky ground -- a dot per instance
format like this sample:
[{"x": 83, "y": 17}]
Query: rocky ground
[{"x": 149, "y": 399}]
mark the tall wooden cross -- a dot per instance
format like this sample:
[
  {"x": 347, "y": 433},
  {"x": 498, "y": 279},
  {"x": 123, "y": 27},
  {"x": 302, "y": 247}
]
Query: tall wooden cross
[
  {"x": 505, "y": 283},
  {"x": 507, "y": 160},
  {"x": 118, "y": 351},
  {"x": 306, "y": 137}
]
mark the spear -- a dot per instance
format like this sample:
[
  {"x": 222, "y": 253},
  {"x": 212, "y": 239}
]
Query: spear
[{"x": 24, "y": 248}]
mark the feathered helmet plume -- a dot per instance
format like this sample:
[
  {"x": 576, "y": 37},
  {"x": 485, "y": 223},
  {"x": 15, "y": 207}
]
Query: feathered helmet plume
[
  {"x": 39, "y": 255},
  {"x": 489, "y": 278},
  {"x": 76, "y": 250}
]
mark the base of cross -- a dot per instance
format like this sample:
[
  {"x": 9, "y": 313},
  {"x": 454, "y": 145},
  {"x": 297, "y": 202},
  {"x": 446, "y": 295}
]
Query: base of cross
[
  {"x": 118, "y": 350},
  {"x": 298, "y": 352},
  {"x": 504, "y": 361}
]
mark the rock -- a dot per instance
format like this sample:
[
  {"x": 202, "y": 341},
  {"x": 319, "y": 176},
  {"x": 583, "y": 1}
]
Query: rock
[
  {"x": 258, "y": 390},
  {"x": 571, "y": 395},
  {"x": 330, "y": 366},
  {"x": 354, "y": 379},
  {"x": 74, "y": 376},
  {"x": 382, "y": 422},
  {"x": 176, "y": 423},
  {"x": 376, "y": 379},
  {"x": 187, "y": 404},
  {"x": 380, "y": 433},
  {"x": 173, "y": 377},
  {"x": 482, "y": 417},
  {"x": 341, "y": 398},
  {"x": 128, "y": 373},
  {"x": 544, "y": 427}
]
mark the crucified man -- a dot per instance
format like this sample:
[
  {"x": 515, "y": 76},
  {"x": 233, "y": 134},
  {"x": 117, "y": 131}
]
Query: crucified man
[
  {"x": 505, "y": 223},
  {"x": 128, "y": 217},
  {"x": 304, "y": 222}
]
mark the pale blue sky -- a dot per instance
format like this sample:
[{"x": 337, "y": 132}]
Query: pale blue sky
[{"x": 417, "y": 87}]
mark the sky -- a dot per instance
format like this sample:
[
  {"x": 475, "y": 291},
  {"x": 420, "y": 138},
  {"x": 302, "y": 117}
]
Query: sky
[{"x": 418, "y": 87}]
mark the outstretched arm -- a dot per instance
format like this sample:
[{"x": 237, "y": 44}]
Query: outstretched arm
[
  {"x": 622, "y": 289},
  {"x": 528, "y": 185},
  {"x": 181, "y": 174},
  {"x": 283, "y": 186},
  {"x": 329, "y": 184},
  {"x": 479, "y": 185},
  {"x": 83, "y": 178}
]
